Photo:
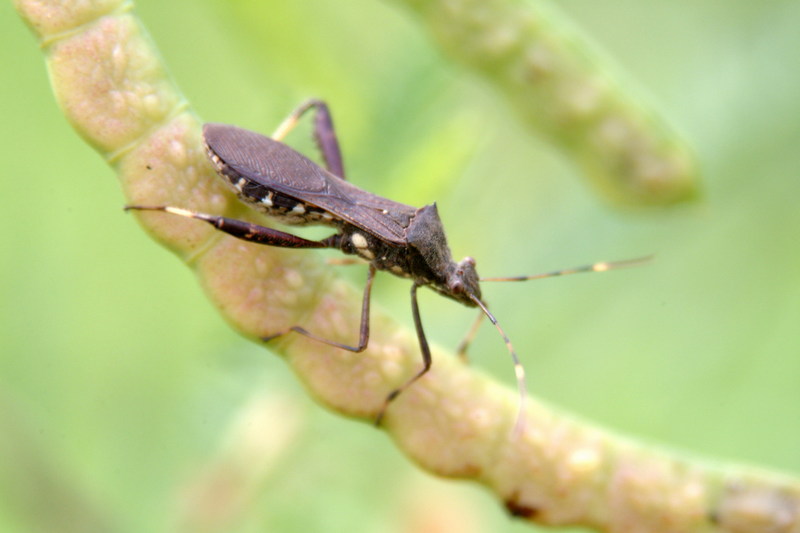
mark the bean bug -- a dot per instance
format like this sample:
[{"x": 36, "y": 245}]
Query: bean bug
[{"x": 406, "y": 241}]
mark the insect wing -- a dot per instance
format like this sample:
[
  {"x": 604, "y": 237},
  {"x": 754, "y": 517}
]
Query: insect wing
[{"x": 279, "y": 167}]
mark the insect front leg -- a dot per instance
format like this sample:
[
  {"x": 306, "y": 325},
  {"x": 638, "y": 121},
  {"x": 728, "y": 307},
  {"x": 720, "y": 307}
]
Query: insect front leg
[
  {"x": 426, "y": 356},
  {"x": 463, "y": 346},
  {"x": 324, "y": 134}
]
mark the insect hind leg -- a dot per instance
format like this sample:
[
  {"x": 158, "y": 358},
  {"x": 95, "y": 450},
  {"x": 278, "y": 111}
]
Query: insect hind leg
[
  {"x": 324, "y": 133},
  {"x": 247, "y": 231}
]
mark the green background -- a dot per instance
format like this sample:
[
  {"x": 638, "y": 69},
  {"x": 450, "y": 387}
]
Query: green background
[{"x": 119, "y": 382}]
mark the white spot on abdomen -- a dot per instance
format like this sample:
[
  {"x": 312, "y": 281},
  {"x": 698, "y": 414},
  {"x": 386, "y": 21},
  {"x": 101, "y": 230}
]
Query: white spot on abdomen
[{"x": 359, "y": 241}]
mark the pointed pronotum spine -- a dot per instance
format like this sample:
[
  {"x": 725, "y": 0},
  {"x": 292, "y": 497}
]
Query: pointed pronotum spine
[{"x": 456, "y": 423}]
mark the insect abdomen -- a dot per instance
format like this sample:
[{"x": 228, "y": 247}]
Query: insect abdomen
[
  {"x": 269, "y": 201},
  {"x": 285, "y": 208}
]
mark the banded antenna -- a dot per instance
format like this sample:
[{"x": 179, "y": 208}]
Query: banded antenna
[{"x": 519, "y": 370}]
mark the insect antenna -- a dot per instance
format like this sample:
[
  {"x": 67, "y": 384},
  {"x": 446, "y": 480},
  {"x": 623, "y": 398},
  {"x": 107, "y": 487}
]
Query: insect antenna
[
  {"x": 519, "y": 370},
  {"x": 602, "y": 266}
]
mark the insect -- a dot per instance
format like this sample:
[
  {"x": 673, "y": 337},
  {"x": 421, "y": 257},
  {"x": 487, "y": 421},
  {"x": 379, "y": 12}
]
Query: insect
[{"x": 406, "y": 241}]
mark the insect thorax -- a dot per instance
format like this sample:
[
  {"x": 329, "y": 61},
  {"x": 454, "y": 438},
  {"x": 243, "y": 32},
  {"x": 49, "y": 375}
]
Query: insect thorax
[
  {"x": 448, "y": 278},
  {"x": 387, "y": 256}
]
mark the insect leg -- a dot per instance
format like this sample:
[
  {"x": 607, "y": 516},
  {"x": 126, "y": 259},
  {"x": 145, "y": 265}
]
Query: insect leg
[
  {"x": 426, "y": 356},
  {"x": 324, "y": 134},
  {"x": 240, "y": 229},
  {"x": 363, "y": 334},
  {"x": 461, "y": 350}
]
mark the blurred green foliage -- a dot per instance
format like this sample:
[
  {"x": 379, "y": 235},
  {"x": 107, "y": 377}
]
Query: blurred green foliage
[{"x": 119, "y": 382}]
